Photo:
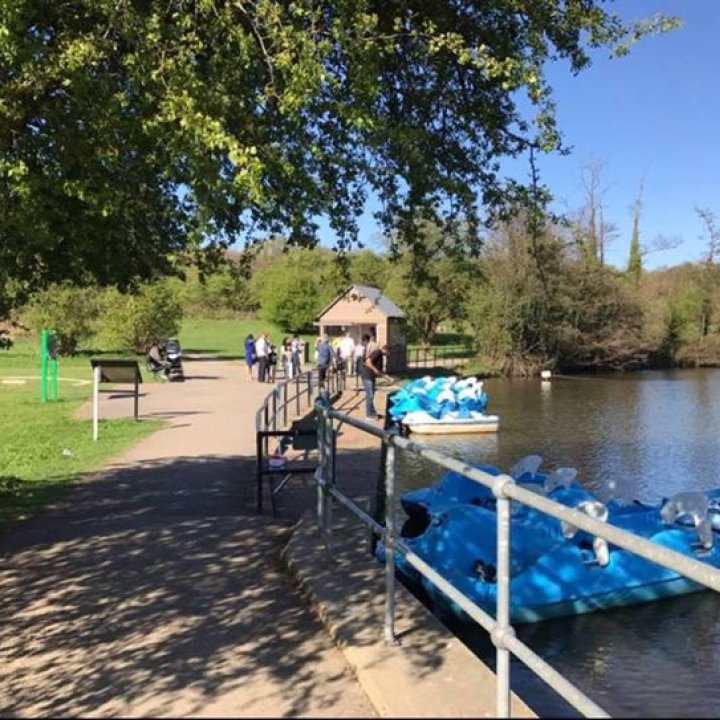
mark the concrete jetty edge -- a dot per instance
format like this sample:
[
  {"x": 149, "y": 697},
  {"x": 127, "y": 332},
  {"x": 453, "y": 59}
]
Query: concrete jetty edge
[{"x": 429, "y": 673}]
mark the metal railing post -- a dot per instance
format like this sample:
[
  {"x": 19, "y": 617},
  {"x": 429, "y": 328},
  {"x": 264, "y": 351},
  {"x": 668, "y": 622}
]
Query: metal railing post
[
  {"x": 502, "y": 628},
  {"x": 285, "y": 404},
  {"x": 96, "y": 400},
  {"x": 266, "y": 426},
  {"x": 274, "y": 408},
  {"x": 328, "y": 473},
  {"x": 297, "y": 394},
  {"x": 321, "y": 412},
  {"x": 390, "y": 543},
  {"x": 329, "y": 477},
  {"x": 136, "y": 389},
  {"x": 259, "y": 461}
]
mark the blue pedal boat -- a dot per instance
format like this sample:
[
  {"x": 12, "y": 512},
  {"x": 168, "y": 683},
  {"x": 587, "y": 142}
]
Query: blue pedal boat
[{"x": 555, "y": 570}]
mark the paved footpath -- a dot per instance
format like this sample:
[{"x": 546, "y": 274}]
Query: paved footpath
[{"x": 155, "y": 589}]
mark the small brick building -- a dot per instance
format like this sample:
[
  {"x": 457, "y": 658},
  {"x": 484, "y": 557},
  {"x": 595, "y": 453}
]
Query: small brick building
[{"x": 361, "y": 309}]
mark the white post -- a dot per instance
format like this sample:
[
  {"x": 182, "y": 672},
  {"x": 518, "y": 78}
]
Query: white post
[
  {"x": 390, "y": 638},
  {"x": 96, "y": 393},
  {"x": 502, "y": 654}
]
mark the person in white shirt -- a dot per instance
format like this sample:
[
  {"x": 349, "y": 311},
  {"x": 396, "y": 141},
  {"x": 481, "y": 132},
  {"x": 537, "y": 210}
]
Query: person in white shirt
[
  {"x": 287, "y": 358},
  {"x": 262, "y": 352},
  {"x": 347, "y": 352}
]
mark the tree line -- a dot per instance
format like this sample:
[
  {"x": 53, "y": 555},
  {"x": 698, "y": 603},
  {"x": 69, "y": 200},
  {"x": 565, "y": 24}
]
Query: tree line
[
  {"x": 139, "y": 141},
  {"x": 528, "y": 301}
]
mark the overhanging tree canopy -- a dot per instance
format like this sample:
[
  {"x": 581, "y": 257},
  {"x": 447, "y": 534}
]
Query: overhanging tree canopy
[{"x": 132, "y": 129}]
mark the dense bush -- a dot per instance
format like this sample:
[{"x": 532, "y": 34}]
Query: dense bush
[
  {"x": 130, "y": 321},
  {"x": 70, "y": 311},
  {"x": 294, "y": 288},
  {"x": 223, "y": 293}
]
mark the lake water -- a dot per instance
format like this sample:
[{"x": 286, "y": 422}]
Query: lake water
[{"x": 653, "y": 434}]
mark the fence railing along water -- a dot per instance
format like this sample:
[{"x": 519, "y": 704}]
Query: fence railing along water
[
  {"x": 435, "y": 357},
  {"x": 505, "y": 490}
]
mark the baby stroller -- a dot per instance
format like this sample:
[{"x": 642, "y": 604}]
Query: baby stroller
[
  {"x": 165, "y": 360},
  {"x": 173, "y": 356}
]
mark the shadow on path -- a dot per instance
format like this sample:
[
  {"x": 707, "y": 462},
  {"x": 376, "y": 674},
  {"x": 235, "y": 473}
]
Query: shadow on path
[{"x": 155, "y": 589}]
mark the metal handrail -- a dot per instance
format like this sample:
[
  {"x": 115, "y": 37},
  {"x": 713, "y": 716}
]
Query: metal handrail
[
  {"x": 274, "y": 413},
  {"x": 505, "y": 489}
]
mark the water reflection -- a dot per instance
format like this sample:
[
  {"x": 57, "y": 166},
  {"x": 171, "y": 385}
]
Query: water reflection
[{"x": 654, "y": 434}]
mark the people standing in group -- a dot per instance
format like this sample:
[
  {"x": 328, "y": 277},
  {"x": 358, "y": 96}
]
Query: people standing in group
[
  {"x": 324, "y": 358},
  {"x": 372, "y": 368},
  {"x": 262, "y": 353},
  {"x": 347, "y": 350},
  {"x": 249, "y": 354}
]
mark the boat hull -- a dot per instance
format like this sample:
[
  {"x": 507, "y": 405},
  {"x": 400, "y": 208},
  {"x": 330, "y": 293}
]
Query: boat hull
[
  {"x": 452, "y": 428},
  {"x": 551, "y": 575},
  {"x": 422, "y": 423}
]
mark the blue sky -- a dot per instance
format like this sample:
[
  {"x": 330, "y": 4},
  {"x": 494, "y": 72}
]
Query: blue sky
[{"x": 652, "y": 116}]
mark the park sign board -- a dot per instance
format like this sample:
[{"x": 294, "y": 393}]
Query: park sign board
[{"x": 116, "y": 371}]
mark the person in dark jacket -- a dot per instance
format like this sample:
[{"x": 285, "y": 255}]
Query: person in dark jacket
[
  {"x": 249, "y": 354},
  {"x": 324, "y": 358},
  {"x": 371, "y": 369}
]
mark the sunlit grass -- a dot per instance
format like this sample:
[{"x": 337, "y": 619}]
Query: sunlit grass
[
  {"x": 226, "y": 337},
  {"x": 44, "y": 448}
]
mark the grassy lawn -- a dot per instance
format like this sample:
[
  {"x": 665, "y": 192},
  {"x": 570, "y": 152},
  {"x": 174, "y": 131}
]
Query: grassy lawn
[
  {"x": 44, "y": 448},
  {"x": 225, "y": 338}
]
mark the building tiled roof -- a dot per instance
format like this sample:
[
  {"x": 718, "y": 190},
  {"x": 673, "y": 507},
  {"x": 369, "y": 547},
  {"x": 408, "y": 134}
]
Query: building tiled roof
[{"x": 383, "y": 303}]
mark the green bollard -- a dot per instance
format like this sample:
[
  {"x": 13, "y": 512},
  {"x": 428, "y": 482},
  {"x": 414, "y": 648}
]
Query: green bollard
[
  {"x": 43, "y": 365},
  {"x": 48, "y": 351}
]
